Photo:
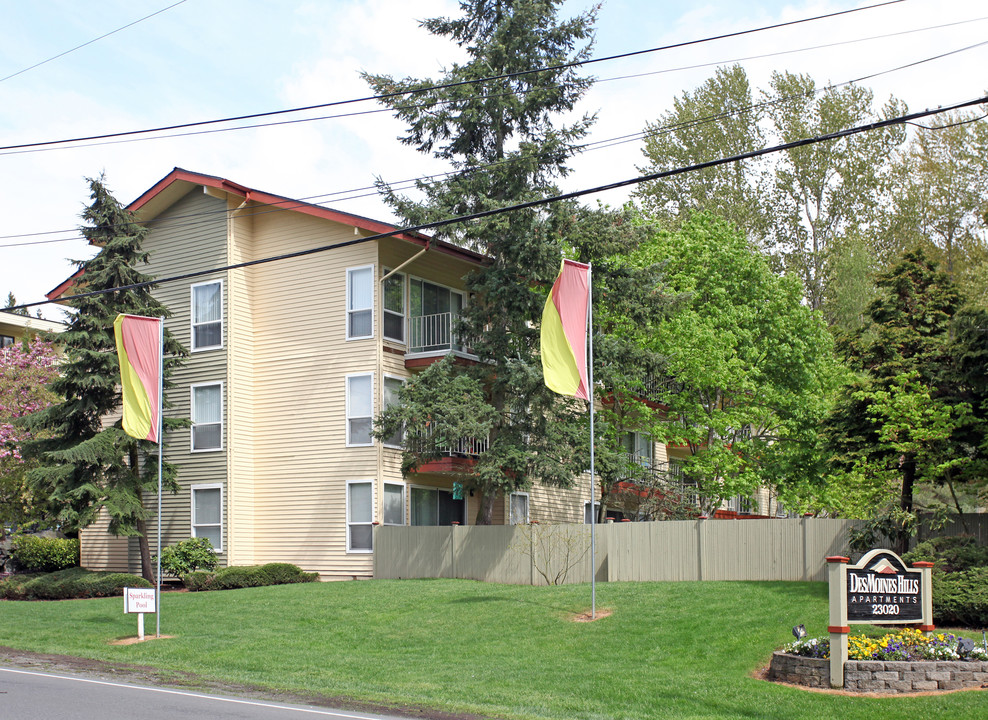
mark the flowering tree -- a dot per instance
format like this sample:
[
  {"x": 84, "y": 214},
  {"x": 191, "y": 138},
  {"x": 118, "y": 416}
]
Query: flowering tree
[{"x": 25, "y": 374}]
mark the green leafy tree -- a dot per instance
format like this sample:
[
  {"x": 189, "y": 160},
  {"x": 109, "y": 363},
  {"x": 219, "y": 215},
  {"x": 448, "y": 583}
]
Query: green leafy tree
[
  {"x": 826, "y": 190},
  {"x": 504, "y": 149},
  {"x": 942, "y": 201},
  {"x": 750, "y": 367},
  {"x": 717, "y": 120},
  {"x": 84, "y": 464},
  {"x": 907, "y": 419}
]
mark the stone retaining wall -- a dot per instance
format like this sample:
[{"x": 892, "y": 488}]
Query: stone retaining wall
[{"x": 881, "y": 676}]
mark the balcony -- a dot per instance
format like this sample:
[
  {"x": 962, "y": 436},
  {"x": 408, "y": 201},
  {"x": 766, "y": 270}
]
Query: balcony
[
  {"x": 456, "y": 456},
  {"x": 431, "y": 337}
]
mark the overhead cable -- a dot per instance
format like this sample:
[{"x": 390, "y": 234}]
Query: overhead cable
[
  {"x": 878, "y": 125},
  {"x": 506, "y": 76}
]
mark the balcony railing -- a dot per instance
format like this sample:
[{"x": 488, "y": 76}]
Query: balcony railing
[
  {"x": 459, "y": 447},
  {"x": 433, "y": 333}
]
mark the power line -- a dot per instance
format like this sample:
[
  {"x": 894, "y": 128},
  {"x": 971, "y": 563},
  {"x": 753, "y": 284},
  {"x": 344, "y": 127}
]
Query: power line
[
  {"x": 291, "y": 204},
  {"x": 90, "y": 42},
  {"x": 507, "y": 76},
  {"x": 902, "y": 119}
]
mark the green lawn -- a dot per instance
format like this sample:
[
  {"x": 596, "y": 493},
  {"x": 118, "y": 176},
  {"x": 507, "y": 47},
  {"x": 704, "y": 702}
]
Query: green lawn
[{"x": 677, "y": 650}]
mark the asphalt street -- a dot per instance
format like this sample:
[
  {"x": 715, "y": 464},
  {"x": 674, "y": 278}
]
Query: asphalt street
[{"x": 31, "y": 695}]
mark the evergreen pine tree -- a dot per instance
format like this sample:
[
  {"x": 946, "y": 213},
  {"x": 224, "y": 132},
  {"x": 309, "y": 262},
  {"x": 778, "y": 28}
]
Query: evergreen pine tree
[
  {"x": 900, "y": 422},
  {"x": 85, "y": 464},
  {"x": 505, "y": 149}
]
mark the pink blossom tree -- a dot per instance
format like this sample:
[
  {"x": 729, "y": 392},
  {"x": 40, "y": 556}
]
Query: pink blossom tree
[{"x": 25, "y": 373}]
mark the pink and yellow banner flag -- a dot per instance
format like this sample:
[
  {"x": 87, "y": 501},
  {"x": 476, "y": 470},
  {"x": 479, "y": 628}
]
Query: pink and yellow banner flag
[
  {"x": 139, "y": 349},
  {"x": 564, "y": 332}
]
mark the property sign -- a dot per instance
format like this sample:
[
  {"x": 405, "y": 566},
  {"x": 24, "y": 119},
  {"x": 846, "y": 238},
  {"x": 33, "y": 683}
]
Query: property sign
[
  {"x": 139, "y": 600},
  {"x": 881, "y": 589}
]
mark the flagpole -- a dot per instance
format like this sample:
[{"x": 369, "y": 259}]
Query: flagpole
[
  {"x": 593, "y": 512},
  {"x": 161, "y": 455}
]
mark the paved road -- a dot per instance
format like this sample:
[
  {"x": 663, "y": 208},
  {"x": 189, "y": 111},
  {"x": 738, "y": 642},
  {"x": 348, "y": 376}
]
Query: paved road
[{"x": 30, "y": 695}]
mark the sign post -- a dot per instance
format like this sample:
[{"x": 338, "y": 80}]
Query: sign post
[
  {"x": 140, "y": 601},
  {"x": 879, "y": 589}
]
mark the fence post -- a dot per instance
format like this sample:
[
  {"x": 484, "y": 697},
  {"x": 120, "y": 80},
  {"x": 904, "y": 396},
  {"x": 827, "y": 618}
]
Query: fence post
[
  {"x": 806, "y": 559},
  {"x": 700, "y": 532},
  {"x": 531, "y": 554},
  {"x": 452, "y": 548}
]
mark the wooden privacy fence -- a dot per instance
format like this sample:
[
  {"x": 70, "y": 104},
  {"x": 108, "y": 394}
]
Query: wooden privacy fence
[{"x": 794, "y": 549}]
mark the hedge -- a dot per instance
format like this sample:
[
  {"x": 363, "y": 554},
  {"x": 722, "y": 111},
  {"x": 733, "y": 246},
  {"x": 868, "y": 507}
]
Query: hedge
[
  {"x": 34, "y": 553},
  {"x": 243, "y": 576},
  {"x": 69, "y": 584}
]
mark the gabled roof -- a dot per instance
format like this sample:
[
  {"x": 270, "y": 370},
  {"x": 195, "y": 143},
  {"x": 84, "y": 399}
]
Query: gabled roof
[{"x": 176, "y": 184}]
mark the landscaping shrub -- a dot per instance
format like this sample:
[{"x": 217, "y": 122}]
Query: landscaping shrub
[
  {"x": 258, "y": 575},
  {"x": 960, "y": 579},
  {"x": 188, "y": 556},
  {"x": 67, "y": 584},
  {"x": 13, "y": 587},
  {"x": 34, "y": 553},
  {"x": 198, "y": 580},
  {"x": 950, "y": 554},
  {"x": 961, "y": 598}
]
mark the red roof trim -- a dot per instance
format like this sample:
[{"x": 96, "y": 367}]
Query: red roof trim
[
  {"x": 64, "y": 286},
  {"x": 374, "y": 226}
]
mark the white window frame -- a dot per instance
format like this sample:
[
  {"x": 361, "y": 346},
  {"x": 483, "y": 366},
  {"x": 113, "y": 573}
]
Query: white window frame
[
  {"x": 404, "y": 501},
  {"x": 349, "y": 442},
  {"x": 349, "y": 522},
  {"x": 192, "y": 316},
  {"x": 192, "y": 416},
  {"x": 404, "y": 308},
  {"x": 528, "y": 508},
  {"x": 193, "y": 489},
  {"x": 596, "y": 511},
  {"x": 388, "y": 376},
  {"x": 349, "y": 302}
]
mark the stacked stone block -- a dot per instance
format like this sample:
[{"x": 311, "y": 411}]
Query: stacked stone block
[{"x": 881, "y": 676}]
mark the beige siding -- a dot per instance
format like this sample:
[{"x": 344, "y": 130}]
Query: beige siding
[
  {"x": 241, "y": 417},
  {"x": 188, "y": 237},
  {"x": 299, "y": 361},
  {"x": 99, "y": 550}
]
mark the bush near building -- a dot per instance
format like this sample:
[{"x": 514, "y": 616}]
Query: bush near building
[{"x": 960, "y": 579}]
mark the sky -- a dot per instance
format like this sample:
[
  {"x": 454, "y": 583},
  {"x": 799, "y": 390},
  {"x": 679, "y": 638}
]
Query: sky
[{"x": 205, "y": 59}]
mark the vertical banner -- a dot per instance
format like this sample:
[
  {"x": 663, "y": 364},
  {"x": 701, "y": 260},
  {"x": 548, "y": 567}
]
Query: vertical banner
[
  {"x": 564, "y": 332},
  {"x": 139, "y": 350}
]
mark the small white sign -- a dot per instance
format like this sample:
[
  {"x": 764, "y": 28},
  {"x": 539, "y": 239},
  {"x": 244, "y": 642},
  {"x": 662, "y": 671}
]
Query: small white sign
[{"x": 139, "y": 600}]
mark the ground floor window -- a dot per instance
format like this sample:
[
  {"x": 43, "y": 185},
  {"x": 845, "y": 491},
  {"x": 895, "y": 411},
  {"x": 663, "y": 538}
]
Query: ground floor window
[
  {"x": 590, "y": 516},
  {"x": 360, "y": 515},
  {"x": 435, "y": 506},
  {"x": 207, "y": 514},
  {"x": 393, "y": 506},
  {"x": 518, "y": 509}
]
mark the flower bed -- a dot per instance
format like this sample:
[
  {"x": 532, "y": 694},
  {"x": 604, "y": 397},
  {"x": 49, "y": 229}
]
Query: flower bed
[{"x": 905, "y": 661}]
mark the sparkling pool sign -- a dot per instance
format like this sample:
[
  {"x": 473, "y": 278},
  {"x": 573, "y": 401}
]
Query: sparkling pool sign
[
  {"x": 139, "y": 600},
  {"x": 882, "y": 589}
]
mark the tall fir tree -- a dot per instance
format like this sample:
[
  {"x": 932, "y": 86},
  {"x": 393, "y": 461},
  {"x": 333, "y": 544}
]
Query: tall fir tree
[
  {"x": 906, "y": 420},
  {"x": 85, "y": 464},
  {"x": 500, "y": 138}
]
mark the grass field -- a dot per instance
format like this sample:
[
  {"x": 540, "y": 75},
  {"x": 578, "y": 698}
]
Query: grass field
[{"x": 668, "y": 650}]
